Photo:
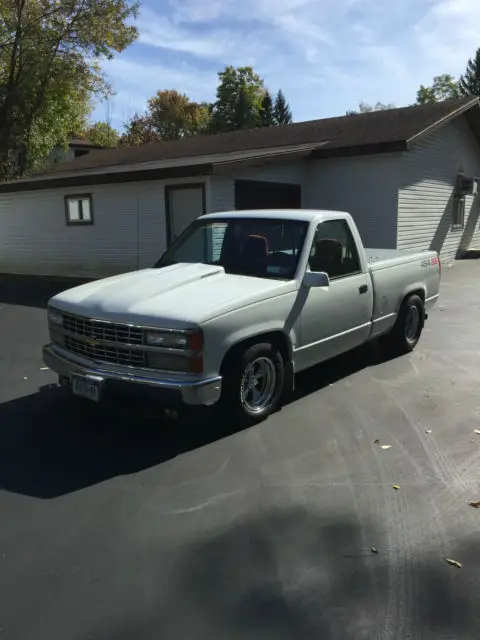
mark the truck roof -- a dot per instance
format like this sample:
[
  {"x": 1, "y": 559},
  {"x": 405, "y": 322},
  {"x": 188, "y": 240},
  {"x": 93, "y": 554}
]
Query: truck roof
[{"x": 305, "y": 215}]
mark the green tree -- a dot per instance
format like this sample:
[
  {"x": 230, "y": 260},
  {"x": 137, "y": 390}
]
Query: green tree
[
  {"x": 239, "y": 100},
  {"x": 102, "y": 134},
  {"x": 49, "y": 70},
  {"x": 469, "y": 84},
  {"x": 139, "y": 130},
  {"x": 444, "y": 87},
  {"x": 281, "y": 111},
  {"x": 267, "y": 116},
  {"x": 174, "y": 116}
]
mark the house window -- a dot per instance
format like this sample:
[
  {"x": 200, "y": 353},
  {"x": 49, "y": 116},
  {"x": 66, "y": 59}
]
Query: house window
[
  {"x": 458, "y": 221},
  {"x": 78, "y": 209}
]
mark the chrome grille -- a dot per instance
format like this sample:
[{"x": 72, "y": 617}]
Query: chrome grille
[
  {"x": 104, "y": 331},
  {"x": 106, "y": 353},
  {"x": 108, "y": 342}
]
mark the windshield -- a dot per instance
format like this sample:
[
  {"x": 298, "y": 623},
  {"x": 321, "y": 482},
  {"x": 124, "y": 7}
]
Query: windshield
[{"x": 258, "y": 247}]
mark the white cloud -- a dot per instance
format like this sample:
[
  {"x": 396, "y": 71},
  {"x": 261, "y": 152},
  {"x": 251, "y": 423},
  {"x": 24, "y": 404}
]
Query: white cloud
[
  {"x": 136, "y": 81},
  {"x": 448, "y": 34},
  {"x": 326, "y": 55}
]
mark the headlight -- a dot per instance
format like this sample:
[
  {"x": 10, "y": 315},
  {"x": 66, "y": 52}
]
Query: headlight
[
  {"x": 55, "y": 316},
  {"x": 173, "y": 340}
]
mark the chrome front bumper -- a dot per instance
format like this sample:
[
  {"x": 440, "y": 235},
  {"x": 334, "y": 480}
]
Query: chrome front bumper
[{"x": 200, "y": 392}]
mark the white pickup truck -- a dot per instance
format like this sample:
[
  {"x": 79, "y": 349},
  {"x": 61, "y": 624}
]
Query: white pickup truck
[{"x": 239, "y": 304}]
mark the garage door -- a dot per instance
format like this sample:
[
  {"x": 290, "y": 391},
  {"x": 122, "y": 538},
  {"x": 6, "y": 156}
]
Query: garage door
[{"x": 250, "y": 194}]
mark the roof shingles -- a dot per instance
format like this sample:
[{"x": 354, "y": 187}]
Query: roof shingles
[{"x": 393, "y": 125}]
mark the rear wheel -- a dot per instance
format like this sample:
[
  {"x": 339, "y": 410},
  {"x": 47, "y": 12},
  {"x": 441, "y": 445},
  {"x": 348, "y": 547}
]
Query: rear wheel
[
  {"x": 253, "y": 383},
  {"x": 408, "y": 328}
]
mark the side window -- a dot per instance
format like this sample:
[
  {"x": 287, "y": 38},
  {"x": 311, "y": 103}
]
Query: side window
[
  {"x": 78, "y": 209},
  {"x": 334, "y": 250}
]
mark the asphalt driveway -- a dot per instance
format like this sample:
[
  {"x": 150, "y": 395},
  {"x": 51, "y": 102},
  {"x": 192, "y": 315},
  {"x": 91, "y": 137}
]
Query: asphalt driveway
[{"x": 114, "y": 526}]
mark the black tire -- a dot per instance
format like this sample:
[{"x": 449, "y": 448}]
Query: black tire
[
  {"x": 240, "y": 405},
  {"x": 408, "y": 328}
]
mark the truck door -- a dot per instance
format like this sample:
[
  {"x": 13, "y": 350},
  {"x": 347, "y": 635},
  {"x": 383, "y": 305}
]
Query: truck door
[{"x": 337, "y": 318}]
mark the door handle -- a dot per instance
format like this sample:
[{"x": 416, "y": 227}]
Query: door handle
[{"x": 363, "y": 288}]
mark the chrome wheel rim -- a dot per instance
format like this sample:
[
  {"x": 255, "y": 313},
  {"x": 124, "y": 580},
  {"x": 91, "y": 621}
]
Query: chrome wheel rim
[
  {"x": 412, "y": 323},
  {"x": 258, "y": 385}
]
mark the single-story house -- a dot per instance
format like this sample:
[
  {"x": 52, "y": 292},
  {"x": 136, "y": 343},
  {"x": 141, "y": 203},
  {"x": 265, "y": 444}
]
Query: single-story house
[{"x": 409, "y": 177}]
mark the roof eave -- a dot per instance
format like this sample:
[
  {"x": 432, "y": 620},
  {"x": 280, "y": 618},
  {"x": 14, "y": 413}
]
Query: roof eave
[
  {"x": 438, "y": 123},
  {"x": 392, "y": 146},
  {"x": 108, "y": 178}
]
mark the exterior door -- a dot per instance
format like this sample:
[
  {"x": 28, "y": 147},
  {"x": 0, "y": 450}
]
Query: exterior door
[
  {"x": 337, "y": 318},
  {"x": 184, "y": 204}
]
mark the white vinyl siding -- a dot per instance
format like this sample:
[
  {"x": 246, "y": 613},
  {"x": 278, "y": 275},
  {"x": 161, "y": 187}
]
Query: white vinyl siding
[
  {"x": 426, "y": 194},
  {"x": 364, "y": 186},
  {"x": 129, "y": 231},
  {"x": 222, "y": 194}
]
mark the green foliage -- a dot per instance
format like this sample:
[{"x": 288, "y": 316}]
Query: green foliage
[
  {"x": 267, "y": 116},
  {"x": 240, "y": 93},
  {"x": 469, "y": 84},
  {"x": 173, "y": 116},
  {"x": 49, "y": 73},
  {"x": 102, "y": 134},
  {"x": 281, "y": 111},
  {"x": 242, "y": 103},
  {"x": 444, "y": 87},
  {"x": 139, "y": 130}
]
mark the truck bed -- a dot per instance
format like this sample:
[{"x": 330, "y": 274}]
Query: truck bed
[
  {"x": 393, "y": 274},
  {"x": 384, "y": 258}
]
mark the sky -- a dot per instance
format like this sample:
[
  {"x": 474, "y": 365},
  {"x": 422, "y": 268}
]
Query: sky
[{"x": 326, "y": 55}]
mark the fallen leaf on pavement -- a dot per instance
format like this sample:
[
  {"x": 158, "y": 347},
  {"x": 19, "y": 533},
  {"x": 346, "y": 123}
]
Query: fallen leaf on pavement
[
  {"x": 454, "y": 563},
  {"x": 475, "y": 505},
  {"x": 396, "y": 487}
]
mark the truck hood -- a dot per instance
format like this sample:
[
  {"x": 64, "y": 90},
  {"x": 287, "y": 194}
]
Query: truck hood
[{"x": 178, "y": 296}]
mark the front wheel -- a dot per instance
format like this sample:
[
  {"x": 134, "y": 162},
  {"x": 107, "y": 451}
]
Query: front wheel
[
  {"x": 253, "y": 383},
  {"x": 408, "y": 328}
]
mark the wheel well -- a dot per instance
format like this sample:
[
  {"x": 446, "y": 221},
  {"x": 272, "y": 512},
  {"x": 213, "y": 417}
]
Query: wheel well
[
  {"x": 277, "y": 338},
  {"x": 418, "y": 292}
]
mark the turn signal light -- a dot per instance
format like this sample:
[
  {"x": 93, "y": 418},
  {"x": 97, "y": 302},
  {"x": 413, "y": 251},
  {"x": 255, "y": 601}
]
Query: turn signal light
[{"x": 195, "y": 341}]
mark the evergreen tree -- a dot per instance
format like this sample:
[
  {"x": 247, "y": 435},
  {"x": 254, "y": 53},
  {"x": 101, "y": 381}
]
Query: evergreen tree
[
  {"x": 267, "y": 116},
  {"x": 281, "y": 110},
  {"x": 469, "y": 84}
]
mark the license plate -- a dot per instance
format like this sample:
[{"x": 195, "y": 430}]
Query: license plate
[{"x": 87, "y": 387}]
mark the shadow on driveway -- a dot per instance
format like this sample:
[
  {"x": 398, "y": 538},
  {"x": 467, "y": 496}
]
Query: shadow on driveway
[
  {"x": 296, "y": 573},
  {"x": 52, "y": 443}
]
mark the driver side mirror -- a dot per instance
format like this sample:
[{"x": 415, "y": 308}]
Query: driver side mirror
[{"x": 316, "y": 279}]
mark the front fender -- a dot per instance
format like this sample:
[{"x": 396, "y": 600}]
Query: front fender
[{"x": 224, "y": 332}]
